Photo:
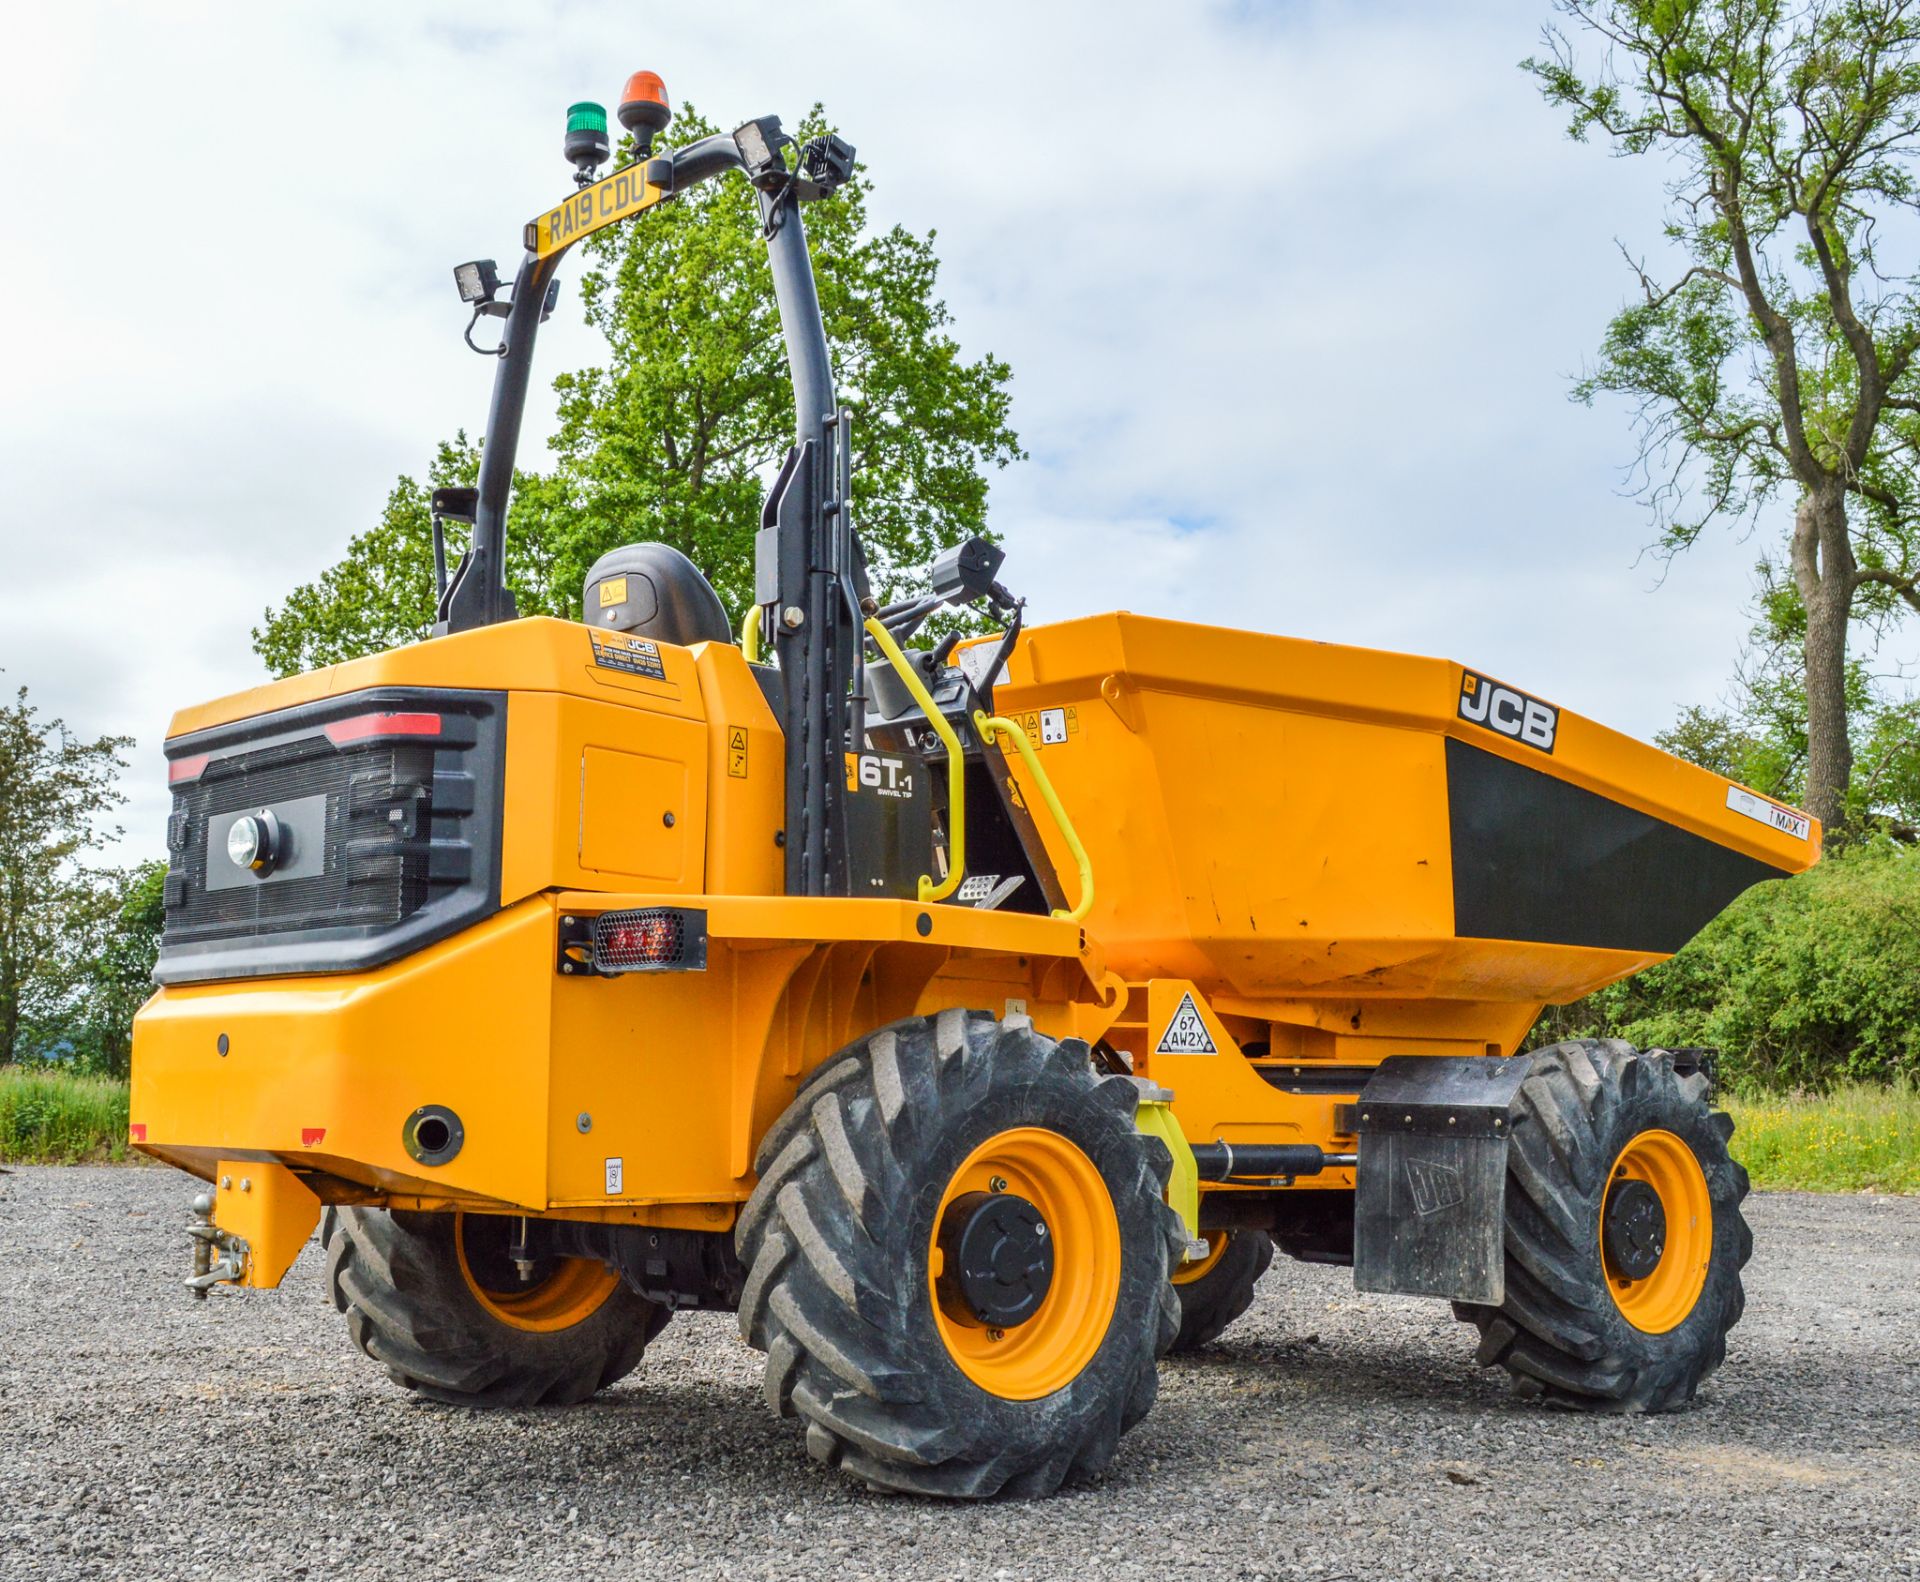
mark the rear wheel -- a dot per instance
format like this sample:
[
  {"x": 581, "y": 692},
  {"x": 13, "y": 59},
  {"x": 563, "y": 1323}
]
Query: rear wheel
[
  {"x": 1219, "y": 1288},
  {"x": 436, "y": 1300},
  {"x": 957, "y": 1260},
  {"x": 1624, "y": 1237}
]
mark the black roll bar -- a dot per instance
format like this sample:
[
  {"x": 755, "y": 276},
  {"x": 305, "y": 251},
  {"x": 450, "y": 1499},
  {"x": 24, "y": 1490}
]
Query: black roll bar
[{"x": 808, "y": 562}]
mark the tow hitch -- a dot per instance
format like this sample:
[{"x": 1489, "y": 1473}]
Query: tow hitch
[
  {"x": 219, "y": 1257},
  {"x": 268, "y": 1213}
]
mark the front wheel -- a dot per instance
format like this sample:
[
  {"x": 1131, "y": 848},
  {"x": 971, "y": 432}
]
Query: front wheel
[
  {"x": 957, "y": 1260},
  {"x": 1624, "y": 1236}
]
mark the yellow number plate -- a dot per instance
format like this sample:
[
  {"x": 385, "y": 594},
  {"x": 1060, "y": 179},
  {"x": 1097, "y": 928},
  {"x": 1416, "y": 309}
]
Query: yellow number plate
[{"x": 607, "y": 202}]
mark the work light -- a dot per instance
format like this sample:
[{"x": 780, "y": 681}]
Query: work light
[
  {"x": 477, "y": 281},
  {"x": 760, "y": 143}
]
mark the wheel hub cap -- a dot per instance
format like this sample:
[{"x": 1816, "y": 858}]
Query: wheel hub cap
[
  {"x": 1634, "y": 1235},
  {"x": 999, "y": 1257}
]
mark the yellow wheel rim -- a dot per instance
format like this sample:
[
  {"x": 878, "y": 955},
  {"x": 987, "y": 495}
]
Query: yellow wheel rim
[
  {"x": 572, "y": 1291},
  {"x": 1048, "y": 1351},
  {"x": 1187, "y": 1273},
  {"x": 1662, "y": 1299}
]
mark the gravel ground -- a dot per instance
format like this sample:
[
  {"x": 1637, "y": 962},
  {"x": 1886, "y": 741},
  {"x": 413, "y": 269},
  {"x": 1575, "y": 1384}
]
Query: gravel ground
[{"x": 1328, "y": 1434}]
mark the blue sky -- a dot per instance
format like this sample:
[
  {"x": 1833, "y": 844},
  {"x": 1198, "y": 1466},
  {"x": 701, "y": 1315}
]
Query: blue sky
[{"x": 1292, "y": 295}]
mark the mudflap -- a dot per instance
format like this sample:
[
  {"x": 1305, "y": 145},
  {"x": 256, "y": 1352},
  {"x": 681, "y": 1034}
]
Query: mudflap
[{"x": 1430, "y": 1189}]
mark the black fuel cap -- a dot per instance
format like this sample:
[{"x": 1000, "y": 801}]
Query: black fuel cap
[{"x": 999, "y": 1257}]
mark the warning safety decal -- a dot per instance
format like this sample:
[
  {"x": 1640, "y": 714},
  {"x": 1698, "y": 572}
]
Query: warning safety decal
[
  {"x": 1050, "y": 727},
  {"x": 1187, "y": 1033}
]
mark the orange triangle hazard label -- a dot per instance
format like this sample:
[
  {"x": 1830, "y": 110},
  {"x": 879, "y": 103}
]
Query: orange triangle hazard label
[{"x": 1186, "y": 1034}]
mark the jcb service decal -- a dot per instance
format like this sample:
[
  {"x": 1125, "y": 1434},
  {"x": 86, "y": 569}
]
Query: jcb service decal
[
  {"x": 1499, "y": 707},
  {"x": 638, "y": 656}
]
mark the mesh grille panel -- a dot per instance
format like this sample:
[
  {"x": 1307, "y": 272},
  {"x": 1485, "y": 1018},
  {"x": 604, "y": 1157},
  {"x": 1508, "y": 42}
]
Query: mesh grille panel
[
  {"x": 384, "y": 835},
  {"x": 374, "y": 872},
  {"x": 653, "y": 938}
]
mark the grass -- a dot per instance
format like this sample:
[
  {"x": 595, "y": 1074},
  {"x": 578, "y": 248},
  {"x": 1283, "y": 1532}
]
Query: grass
[
  {"x": 54, "y": 1117},
  {"x": 1850, "y": 1140}
]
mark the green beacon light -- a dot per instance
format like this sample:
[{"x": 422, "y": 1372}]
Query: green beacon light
[{"x": 587, "y": 146}]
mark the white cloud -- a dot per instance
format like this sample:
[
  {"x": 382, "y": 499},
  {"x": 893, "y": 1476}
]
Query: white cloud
[{"x": 1291, "y": 293}]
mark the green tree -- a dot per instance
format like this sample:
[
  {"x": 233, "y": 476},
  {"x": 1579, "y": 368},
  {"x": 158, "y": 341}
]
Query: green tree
[
  {"x": 1779, "y": 358},
  {"x": 53, "y": 790},
  {"x": 674, "y": 438},
  {"x": 381, "y": 593},
  {"x": 1759, "y": 736},
  {"x": 112, "y": 967}
]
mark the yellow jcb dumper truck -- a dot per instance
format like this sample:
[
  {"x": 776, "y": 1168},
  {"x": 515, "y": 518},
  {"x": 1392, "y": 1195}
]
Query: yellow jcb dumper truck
[{"x": 972, "y": 1018}]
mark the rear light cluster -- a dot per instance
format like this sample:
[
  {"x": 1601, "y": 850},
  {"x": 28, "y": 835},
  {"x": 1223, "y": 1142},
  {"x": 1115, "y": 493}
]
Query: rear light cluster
[
  {"x": 639, "y": 939},
  {"x": 647, "y": 939}
]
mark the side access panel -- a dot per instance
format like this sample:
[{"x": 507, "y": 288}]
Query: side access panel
[{"x": 1430, "y": 1194}]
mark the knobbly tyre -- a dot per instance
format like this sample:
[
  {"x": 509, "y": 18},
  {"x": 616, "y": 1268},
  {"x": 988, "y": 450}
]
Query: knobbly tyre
[{"x": 972, "y": 1018}]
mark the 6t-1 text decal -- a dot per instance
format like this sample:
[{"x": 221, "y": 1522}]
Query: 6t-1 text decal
[
  {"x": 877, "y": 772},
  {"x": 1499, "y": 708}
]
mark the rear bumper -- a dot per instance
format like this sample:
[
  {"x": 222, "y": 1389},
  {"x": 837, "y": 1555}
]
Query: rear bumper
[
  {"x": 323, "y": 1072},
  {"x": 607, "y": 1096}
]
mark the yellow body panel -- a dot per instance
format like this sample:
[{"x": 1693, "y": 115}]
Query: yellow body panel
[
  {"x": 1266, "y": 820},
  {"x": 533, "y": 655},
  {"x": 322, "y": 1072},
  {"x": 746, "y": 778}
]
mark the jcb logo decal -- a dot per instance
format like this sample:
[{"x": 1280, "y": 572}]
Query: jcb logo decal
[
  {"x": 1499, "y": 708},
  {"x": 1435, "y": 1187}
]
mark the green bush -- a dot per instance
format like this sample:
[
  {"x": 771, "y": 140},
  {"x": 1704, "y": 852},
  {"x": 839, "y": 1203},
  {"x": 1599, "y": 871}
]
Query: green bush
[
  {"x": 49, "y": 1116},
  {"x": 1804, "y": 983}
]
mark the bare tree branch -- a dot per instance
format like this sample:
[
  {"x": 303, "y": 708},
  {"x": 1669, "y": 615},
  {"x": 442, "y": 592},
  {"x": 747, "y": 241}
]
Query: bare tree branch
[{"x": 1907, "y": 588}]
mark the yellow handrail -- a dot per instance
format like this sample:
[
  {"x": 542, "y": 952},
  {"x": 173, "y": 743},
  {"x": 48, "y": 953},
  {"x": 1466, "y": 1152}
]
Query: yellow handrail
[
  {"x": 956, "y": 766},
  {"x": 750, "y": 635},
  {"x": 990, "y": 726}
]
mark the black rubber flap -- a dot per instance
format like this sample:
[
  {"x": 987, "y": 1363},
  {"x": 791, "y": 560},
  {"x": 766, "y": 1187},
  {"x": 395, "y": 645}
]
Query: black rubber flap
[{"x": 1430, "y": 1199}]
